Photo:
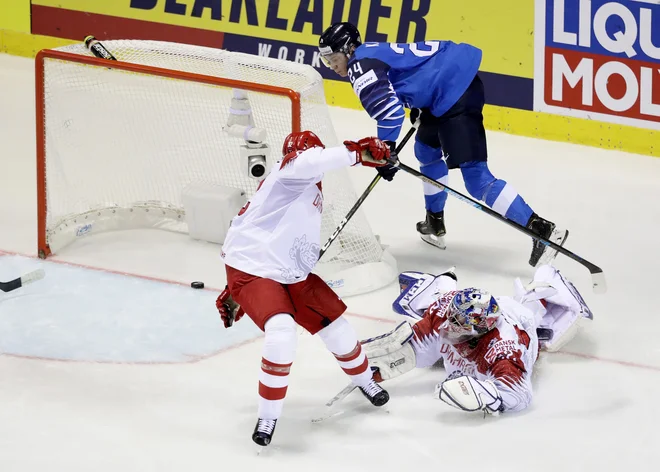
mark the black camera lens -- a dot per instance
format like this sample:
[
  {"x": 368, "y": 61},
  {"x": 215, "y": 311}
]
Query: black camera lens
[{"x": 258, "y": 170}]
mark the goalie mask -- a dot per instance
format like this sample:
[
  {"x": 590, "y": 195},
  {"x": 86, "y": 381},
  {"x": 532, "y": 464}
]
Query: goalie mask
[{"x": 471, "y": 313}]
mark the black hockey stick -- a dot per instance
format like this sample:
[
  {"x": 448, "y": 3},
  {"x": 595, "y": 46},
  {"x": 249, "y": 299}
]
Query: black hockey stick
[
  {"x": 597, "y": 276},
  {"x": 19, "y": 282},
  {"x": 363, "y": 197},
  {"x": 98, "y": 49}
]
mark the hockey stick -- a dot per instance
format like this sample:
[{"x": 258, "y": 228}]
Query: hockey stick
[
  {"x": 24, "y": 280},
  {"x": 329, "y": 411},
  {"x": 597, "y": 277},
  {"x": 363, "y": 197},
  {"x": 98, "y": 49}
]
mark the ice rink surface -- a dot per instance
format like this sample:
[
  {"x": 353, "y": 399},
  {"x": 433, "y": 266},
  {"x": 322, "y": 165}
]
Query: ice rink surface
[{"x": 101, "y": 370}]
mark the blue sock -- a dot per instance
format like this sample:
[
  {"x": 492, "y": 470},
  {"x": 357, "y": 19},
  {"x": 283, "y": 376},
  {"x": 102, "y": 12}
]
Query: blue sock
[
  {"x": 432, "y": 164},
  {"x": 496, "y": 193}
]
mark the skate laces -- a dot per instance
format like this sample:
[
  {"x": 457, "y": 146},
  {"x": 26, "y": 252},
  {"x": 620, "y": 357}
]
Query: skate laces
[
  {"x": 372, "y": 389},
  {"x": 266, "y": 426}
]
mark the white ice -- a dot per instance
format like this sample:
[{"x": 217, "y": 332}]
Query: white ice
[{"x": 109, "y": 372}]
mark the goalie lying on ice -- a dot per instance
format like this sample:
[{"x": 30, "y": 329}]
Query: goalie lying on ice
[{"x": 488, "y": 344}]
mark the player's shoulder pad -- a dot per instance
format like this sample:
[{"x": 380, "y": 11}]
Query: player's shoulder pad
[{"x": 367, "y": 52}]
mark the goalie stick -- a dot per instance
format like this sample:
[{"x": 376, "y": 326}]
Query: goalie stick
[
  {"x": 24, "y": 280},
  {"x": 363, "y": 197},
  {"x": 597, "y": 277}
]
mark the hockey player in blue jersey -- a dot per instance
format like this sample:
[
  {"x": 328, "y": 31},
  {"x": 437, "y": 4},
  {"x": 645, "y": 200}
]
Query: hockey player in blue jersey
[{"x": 438, "y": 81}]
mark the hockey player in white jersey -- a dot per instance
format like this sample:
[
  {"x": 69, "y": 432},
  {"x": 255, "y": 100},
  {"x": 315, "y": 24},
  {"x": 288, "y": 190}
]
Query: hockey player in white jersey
[
  {"x": 269, "y": 252},
  {"x": 488, "y": 344}
]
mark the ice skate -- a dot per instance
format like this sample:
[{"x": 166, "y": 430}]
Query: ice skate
[
  {"x": 263, "y": 432},
  {"x": 375, "y": 394},
  {"x": 432, "y": 230},
  {"x": 542, "y": 254}
]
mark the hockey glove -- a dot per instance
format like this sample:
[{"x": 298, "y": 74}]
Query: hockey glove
[
  {"x": 415, "y": 116},
  {"x": 469, "y": 394},
  {"x": 387, "y": 171},
  {"x": 370, "y": 152},
  {"x": 229, "y": 310}
]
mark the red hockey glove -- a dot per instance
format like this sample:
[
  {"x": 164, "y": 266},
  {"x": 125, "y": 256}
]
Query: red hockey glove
[
  {"x": 370, "y": 152},
  {"x": 229, "y": 310}
]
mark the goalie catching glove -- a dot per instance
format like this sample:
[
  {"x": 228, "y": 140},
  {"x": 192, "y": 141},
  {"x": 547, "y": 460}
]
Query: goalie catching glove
[
  {"x": 469, "y": 394},
  {"x": 229, "y": 310},
  {"x": 370, "y": 152}
]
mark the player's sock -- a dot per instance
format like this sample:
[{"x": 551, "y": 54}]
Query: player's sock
[
  {"x": 496, "y": 193},
  {"x": 278, "y": 354},
  {"x": 432, "y": 164},
  {"x": 340, "y": 339}
]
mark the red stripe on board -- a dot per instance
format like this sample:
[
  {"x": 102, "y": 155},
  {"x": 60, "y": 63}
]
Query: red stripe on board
[
  {"x": 75, "y": 25},
  {"x": 359, "y": 369},
  {"x": 272, "y": 393}
]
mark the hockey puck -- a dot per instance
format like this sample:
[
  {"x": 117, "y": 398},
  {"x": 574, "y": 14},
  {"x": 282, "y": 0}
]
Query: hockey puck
[{"x": 197, "y": 284}]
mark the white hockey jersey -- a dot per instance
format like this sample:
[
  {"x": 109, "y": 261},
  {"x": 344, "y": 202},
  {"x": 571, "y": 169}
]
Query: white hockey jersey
[
  {"x": 277, "y": 233},
  {"x": 505, "y": 355}
]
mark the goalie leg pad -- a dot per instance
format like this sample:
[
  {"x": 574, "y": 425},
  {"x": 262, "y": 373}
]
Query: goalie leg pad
[
  {"x": 556, "y": 303},
  {"x": 391, "y": 354}
]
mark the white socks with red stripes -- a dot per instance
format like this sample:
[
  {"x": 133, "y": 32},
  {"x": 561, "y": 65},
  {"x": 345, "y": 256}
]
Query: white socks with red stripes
[
  {"x": 277, "y": 356},
  {"x": 340, "y": 339}
]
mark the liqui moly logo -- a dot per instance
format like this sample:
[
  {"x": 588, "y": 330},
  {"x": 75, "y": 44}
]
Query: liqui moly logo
[{"x": 599, "y": 59}]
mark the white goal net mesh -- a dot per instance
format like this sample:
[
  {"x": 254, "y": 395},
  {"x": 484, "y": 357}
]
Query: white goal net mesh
[{"x": 121, "y": 145}]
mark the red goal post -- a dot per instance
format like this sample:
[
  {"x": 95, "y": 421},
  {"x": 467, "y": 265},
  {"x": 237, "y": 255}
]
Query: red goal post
[{"x": 43, "y": 247}]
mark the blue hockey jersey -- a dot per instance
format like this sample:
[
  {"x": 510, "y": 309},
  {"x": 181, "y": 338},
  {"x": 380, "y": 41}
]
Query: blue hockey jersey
[{"x": 429, "y": 74}]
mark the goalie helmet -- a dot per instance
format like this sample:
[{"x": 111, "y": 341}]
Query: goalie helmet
[
  {"x": 339, "y": 38},
  {"x": 299, "y": 141},
  {"x": 472, "y": 312}
]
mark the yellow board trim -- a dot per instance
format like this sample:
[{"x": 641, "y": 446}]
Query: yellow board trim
[
  {"x": 15, "y": 15},
  {"x": 507, "y": 49},
  {"x": 28, "y": 45},
  {"x": 508, "y": 120}
]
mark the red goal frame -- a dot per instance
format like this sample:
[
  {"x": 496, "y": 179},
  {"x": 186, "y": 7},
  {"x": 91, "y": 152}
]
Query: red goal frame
[{"x": 42, "y": 243}]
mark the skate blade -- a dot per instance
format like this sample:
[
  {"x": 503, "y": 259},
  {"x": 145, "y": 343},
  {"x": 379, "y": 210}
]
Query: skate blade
[
  {"x": 557, "y": 237},
  {"x": 433, "y": 240}
]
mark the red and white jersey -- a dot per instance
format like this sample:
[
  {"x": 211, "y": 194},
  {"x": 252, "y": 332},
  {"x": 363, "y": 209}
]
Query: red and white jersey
[
  {"x": 277, "y": 233},
  {"x": 505, "y": 355}
]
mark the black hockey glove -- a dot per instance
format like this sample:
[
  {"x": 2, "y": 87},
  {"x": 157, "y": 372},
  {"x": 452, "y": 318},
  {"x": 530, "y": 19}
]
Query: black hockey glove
[
  {"x": 387, "y": 172},
  {"x": 415, "y": 115}
]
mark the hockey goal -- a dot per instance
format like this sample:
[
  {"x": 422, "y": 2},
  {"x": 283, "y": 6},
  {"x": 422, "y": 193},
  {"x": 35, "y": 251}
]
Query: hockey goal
[{"x": 117, "y": 141}]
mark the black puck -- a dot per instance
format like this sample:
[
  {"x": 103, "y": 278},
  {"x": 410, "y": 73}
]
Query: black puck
[{"x": 197, "y": 284}]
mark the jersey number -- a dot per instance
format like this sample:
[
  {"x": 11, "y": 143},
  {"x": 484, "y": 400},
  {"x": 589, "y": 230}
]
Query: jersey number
[
  {"x": 357, "y": 69},
  {"x": 432, "y": 46}
]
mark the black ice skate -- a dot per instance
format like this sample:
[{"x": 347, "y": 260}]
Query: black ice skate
[
  {"x": 375, "y": 394},
  {"x": 542, "y": 254},
  {"x": 432, "y": 230},
  {"x": 263, "y": 432}
]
